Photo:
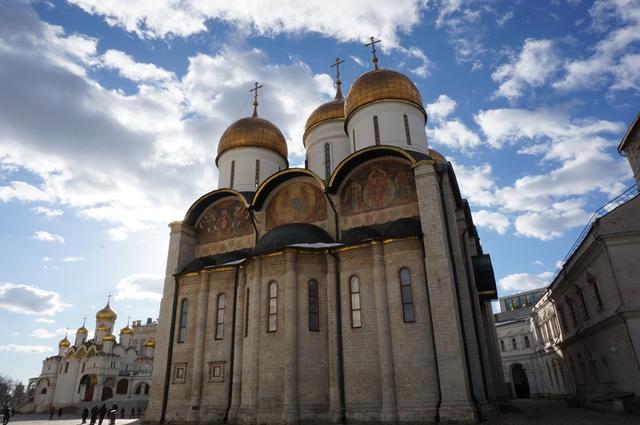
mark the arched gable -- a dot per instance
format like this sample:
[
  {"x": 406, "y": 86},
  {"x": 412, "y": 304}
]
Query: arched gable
[
  {"x": 222, "y": 222},
  {"x": 377, "y": 189},
  {"x": 292, "y": 196}
]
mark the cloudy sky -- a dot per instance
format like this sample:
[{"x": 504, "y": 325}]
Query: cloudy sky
[{"x": 110, "y": 115}]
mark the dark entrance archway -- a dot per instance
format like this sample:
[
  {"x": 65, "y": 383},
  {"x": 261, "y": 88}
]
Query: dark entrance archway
[
  {"x": 520, "y": 381},
  {"x": 89, "y": 384},
  {"x": 107, "y": 393}
]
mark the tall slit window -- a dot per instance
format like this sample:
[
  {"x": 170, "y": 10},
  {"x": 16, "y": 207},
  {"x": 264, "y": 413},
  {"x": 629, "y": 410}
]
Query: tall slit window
[
  {"x": 314, "y": 306},
  {"x": 220, "y": 317},
  {"x": 408, "y": 313},
  {"x": 526, "y": 341},
  {"x": 353, "y": 139},
  {"x": 596, "y": 291},
  {"x": 376, "y": 129},
  {"x": 327, "y": 161},
  {"x": 354, "y": 289},
  {"x": 184, "y": 318},
  {"x": 246, "y": 314},
  {"x": 233, "y": 173},
  {"x": 257, "y": 172},
  {"x": 273, "y": 307},
  {"x": 583, "y": 302},
  {"x": 407, "y": 133},
  {"x": 501, "y": 345}
]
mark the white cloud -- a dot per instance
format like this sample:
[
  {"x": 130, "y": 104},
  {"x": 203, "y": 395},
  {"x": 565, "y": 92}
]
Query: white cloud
[
  {"x": 495, "y": 221},
  {"x": 21, "y": 191},
  {"x": 44, "y": 320},
  {"x": 349, "y": 20},
  {"x": 552, "y": 222},
  {"x": 46, "y": 334},
  {"x": 535, "y": 64},
  {"x": 47, "y": 212},
  {"x": 129, "y": 68},
  {"x": 41, "y": 235},
  {"x": 39, "y": 349},
  {"x": 461, "y": 19},
  {"x": 518, "y": 282},
  {"x": 142, "y": 286},
  {"x": 476, "y": 183},
  {"x": 69, "y": 259},
  {"x": 358, "y": 61},
  {"x": 30, "y": 300},
  {"x": 537, "y": 263},
  {"x": 612, "y": 53},
  {"x": 452, "y": 133}
]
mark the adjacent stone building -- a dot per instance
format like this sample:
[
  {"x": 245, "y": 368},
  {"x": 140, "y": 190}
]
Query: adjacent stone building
[
  {"x": 354, "y": 289},
  {"x": 90, "y": 372}
]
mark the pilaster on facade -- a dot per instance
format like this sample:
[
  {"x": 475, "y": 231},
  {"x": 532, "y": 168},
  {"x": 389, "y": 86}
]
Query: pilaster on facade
[
  {"x": 456, "y": 402},
  {"x": 198, "y": 349},
  {"x": 290, "y": 408},
  {"x": 239, "y": 323}
]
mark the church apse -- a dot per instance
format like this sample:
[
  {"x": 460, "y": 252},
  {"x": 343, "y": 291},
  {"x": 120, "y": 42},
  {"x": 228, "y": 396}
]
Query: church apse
[
  {"x": 297, "y": 202},
  {"x": 225, "y": 226},
  {"x": 378, "y": 192}
]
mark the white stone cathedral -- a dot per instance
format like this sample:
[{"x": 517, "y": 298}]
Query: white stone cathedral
[
  {"x": 100, "y": 370},
  {"x": 354, "y": 289}
]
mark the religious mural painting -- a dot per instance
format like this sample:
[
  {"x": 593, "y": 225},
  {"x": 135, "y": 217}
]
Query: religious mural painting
[
  {"x": 378, "y": 185},
  {"x": 298, "y": 202},
  {"x": 224, "y": 220}
]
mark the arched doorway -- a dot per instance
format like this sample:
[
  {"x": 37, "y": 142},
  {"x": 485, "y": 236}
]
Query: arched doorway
[
  {"x": 519, "y": 381},
  {"x": 107, "y": 393},
  {"x": 89, "y": 385},
  {"x": 122, "y": 387}
]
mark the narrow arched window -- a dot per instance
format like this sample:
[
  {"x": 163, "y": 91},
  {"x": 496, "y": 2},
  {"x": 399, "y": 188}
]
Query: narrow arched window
[
  {"x": 233, "y": 173},
  {"x": 327, "y": 161},
  {"x": 514, "y": 344},
  {"x": 184, "y": 318},
  {"x": 407, "y": 133},
  {"x": 246, "y": 314},
  {"x": 314, "y": 306},
  {"x": 526, "y": 341},
  {"x": 354, "y": 288},
  {"x": 501, "y": 345},
  {"x": 376, "y": 129},
  {"x": 353, "y": 139},
  {"x": 596, "y": 291},
  {"x": 257, "y": 172},
  {"x": 273, "y": 307},
  {"x": 408, "y": 313},
  {"x": 220, "y": 317},
  {"x": 585, "y": 311}
]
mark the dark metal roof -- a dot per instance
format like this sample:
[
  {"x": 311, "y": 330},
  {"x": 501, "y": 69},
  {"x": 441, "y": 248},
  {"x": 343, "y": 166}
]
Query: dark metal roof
[
  {"x": 394, "y": 229},
  {"x": 291, "y": 234},
  {"x": 216, "y": 260}
]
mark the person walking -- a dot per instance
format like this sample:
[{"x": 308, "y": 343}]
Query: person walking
[
  {"x": 85, "y": 415},
  {"x": 133, "y": 413},
  {"x": 113, "y": 414},
  {"x": 94, "y": 415},
  {"x": 102, "y": 412},
  {"x": 6, "y": 415},
  {"x": 122, "y": 413},
  {"x": 52, "y": 410},
  {"x": 60, "y": 413}
]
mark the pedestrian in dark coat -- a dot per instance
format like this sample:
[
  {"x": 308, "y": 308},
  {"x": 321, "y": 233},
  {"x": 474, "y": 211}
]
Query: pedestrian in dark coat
[
  {"x": 85, "y": 415},
  {"x": 94, "y": 415},
  {"x": 133, "y": 413},
  {"x": 52, "y": 410},
  {"x": 122, "y": 413},
  {"x": 59, "y": 413},
  {"x": 6, "y": 415},
  {"x": 102, "y": 412}
]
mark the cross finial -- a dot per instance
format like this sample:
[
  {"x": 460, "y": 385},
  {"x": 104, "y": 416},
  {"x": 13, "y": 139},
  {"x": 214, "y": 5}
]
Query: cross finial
[
  {"x": 255, "y": 98},
  {"x": 373, "y": 50},
  {"x": 128, "y": 320},
  {"x": 338, "y": 82},
  {"x": 109, "y": 298},
  {"x": 84, "y": 320}
]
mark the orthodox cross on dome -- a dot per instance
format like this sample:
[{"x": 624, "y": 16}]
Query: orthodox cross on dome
[
  {"x": 338, "y": 82},
  {"x": 128, "y": 319},
  {"x": 373, "y": 50},
  {"x": 255, "y": 98},
  {"x": 84, "y": 320}
]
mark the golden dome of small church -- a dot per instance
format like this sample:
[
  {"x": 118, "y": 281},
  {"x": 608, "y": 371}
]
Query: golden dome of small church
[{"x": 354, "y": 289}]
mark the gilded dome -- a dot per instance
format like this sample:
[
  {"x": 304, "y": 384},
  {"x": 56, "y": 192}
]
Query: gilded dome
[
  {"x": 381, "y": 85},
  {"x": 64, "y": 343},
  {"x": 253, "y": 131},
  {"x": 109, "y": 338},
  {"x": 150, "y": 343},
  {"x": 330, "y": 111},
  {"x": 82, "y": 330},
  {"x": 106, "y": 314},
  {"x": 126, "y": 331}
]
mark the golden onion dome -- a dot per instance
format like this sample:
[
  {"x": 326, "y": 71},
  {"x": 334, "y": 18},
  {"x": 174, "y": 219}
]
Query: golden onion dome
[
  {"x": 381, "y": 85},
  {"x": 150, "y": 343},
  {"x": 109, "y": 338},
  {"x": 102, "y": 329},
  {"x": 126, "y": 331},
  {"x": 330, "y": 111},
  {"x": 82, "y": 330},
  {"x": 64, "y": 343},
  {"x": 254, "y": 132},
  {"x": 106, "y": 314}
]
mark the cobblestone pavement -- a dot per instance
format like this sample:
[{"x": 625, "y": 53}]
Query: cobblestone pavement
[{"x": 556, "y": 412}]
